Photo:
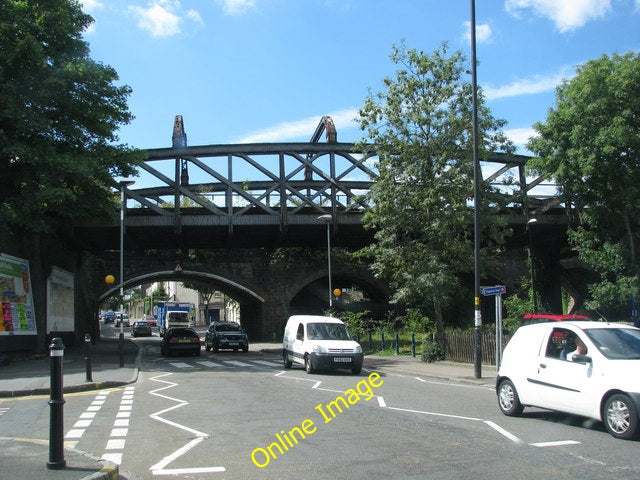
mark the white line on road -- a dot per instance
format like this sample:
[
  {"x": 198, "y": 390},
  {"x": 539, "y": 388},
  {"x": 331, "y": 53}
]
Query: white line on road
[
  {"x": 159, "y": 468},
  {"x": 558, "y": 443},
  {"x": 502, "y": 431}
]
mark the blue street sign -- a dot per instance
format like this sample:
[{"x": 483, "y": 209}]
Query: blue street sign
[{"x": 496, "y": 290}]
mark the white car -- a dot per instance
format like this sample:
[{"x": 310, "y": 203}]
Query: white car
[{"x": 582, "y": 368}]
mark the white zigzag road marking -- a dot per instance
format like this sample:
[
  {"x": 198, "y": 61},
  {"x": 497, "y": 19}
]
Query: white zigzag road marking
[{"x": 159, "y": 468}]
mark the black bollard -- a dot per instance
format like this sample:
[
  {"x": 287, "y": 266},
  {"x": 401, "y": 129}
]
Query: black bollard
[
  {"x": 56, "y": 402},
  {"x": 413, "y": 344},
  {"x": 87, "y": 342}
]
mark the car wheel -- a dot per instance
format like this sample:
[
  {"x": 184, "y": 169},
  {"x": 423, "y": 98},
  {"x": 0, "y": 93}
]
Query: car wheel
[
  {"x": 508, "y": 399},
  {"x": 207, "y": 346},
  {"x": 308, "y": 366},
  {"x": 245, "y": 349},
  {"x": 356, "y": 371},
  {"x": 620, "y": 416},
  {"x": 198, "y": 352},
  {"x": 215, "y": 348},
  {"x": 285, "y": 360}
]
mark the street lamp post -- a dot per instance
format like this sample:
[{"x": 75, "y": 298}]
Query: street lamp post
[
  {"x": 124, "y": 183},
  {"x": 477, "y": 364},
  {"x": 530, "y": 224},
  {"x": 328, "y": 219}
]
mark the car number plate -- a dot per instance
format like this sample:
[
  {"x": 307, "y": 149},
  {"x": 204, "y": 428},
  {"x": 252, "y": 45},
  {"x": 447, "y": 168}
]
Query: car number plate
[
  {"x": 233, "y": 343},
  {"x": 184, "y": 340},
  {"x": 342, "y": 360}
]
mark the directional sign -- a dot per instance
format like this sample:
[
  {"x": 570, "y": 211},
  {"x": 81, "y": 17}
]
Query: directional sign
[{"x": 496, "y": 290}]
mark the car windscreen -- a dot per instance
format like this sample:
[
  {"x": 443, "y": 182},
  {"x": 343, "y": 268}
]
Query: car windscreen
[
  {"x": 228, "y": 327},
  {"x": 327, "y": 331},
  {"x": 616, "y": 343}
]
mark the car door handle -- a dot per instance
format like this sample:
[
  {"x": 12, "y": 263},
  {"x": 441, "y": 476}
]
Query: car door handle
[{"x": 543, "y": 365}]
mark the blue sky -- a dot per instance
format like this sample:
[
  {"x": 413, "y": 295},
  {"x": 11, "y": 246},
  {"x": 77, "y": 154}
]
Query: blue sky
[{"x": 268, "y": 70}]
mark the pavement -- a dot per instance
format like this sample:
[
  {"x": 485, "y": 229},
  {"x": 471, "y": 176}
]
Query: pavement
[{"x": 23, "y": 458}]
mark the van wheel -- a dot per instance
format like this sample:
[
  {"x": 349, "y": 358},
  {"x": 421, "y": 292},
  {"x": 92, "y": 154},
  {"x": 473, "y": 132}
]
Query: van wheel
[
  {"x": 285, "y": 360},
  {"x": 508, "y": 399},
  {"x": 307, "y": 364}
]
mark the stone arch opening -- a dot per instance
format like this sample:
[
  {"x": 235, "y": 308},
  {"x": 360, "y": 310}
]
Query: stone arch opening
[{"x": 249, "y": 300}]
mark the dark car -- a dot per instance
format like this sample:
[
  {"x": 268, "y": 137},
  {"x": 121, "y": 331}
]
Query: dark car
[
  {"x": 226, "y": 335},
  {"x": 141, "y": 329},
  {"x": 109, "y": 316},
  {"x": 180, "y": 340}
]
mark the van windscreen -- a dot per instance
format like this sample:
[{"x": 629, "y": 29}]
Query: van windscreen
[{"x": 327, "y": 331}]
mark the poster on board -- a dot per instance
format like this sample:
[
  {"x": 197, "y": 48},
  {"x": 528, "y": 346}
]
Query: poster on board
[
  {"x": 60, "y": 303},
  {"x": 18, "y": 317}
]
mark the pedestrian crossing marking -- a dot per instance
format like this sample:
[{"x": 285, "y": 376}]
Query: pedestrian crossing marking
[
  {"x": 181, "y": 365},
  {"x": 237, "y": 363},
  {"x": 206, "y": 363},
  {"x": 264, "y": 362},
  {"x": 246, "y": 363}
]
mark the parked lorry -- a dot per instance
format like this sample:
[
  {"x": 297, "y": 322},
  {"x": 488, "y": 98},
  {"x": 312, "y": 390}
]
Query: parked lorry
[{"x": 173, "y": 314}]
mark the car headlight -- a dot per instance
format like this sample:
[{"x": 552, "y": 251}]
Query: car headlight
[
  {"x": 358, "y": 349},
  {"x": 319, "y": 349}
]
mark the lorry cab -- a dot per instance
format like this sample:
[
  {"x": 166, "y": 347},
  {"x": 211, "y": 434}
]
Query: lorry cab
[{"x": 320, "y": 343}]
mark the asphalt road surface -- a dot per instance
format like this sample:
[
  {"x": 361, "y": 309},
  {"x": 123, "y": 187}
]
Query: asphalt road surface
[{"x": 242, "y": 415}]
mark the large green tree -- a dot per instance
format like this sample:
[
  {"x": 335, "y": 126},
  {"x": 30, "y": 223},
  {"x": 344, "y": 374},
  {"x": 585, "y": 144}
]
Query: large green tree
[
  {"x": 59, "y": 114},
  {"x": 421, "y": 129},
  {"x": 590, "y": 143}
]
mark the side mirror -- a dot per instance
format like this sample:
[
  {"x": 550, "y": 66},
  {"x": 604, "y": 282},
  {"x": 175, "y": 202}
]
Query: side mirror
[{"x": 577, "y": 358}]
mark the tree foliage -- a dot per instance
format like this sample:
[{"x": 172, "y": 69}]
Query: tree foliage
[
  {"x": 59, "y": 113},
  {"x": 590, "y": 143},
  {"x": 421, "y": 129}
]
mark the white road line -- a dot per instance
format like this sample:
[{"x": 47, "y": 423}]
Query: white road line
[
  {"x": 181, "y": 365},
  {"x": 267, "y": 363},
  {"x": 206, "y": 363},
  {"x": 237, "y": 363},
  {"x": 381, "y": 401},
  {"x": 113, "y": 457},
  {"x": 435, "y": 414},
  {"x": 558, "y": 443},
  {"x": 502, "y": 431},
  {"x": 159, "y": 468}
]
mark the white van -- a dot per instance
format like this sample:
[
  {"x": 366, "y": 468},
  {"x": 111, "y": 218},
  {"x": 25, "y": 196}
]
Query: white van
[{"x": 320, "y": 343}]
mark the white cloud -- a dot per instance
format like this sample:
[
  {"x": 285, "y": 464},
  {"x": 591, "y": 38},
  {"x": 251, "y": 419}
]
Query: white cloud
[
  {"x": 236, "y": 7},
  {"x": 520, "y": 136},
  {"x": 527, "y": 86},
  {"x": 162, "y": 18},
  {"x": 304, "y": 128},
  {"x": 483, "y": 32},
  {"x": 566, "y": 14},
  {"x": 90, "y": 5}
]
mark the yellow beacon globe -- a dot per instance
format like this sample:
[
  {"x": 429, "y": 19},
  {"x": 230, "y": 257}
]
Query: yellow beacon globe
[
  {"x": 109, "y": 279},
  {"x": 337, "y": 292}
]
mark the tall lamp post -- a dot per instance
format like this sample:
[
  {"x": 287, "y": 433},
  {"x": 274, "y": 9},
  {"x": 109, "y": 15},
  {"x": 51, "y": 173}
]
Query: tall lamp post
[
  {"x": 530, "y": 224},
  {"x": 328, "y": 219},
  {"x": 476, "y": 201},
  {"x": 124, "y": 183}
]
